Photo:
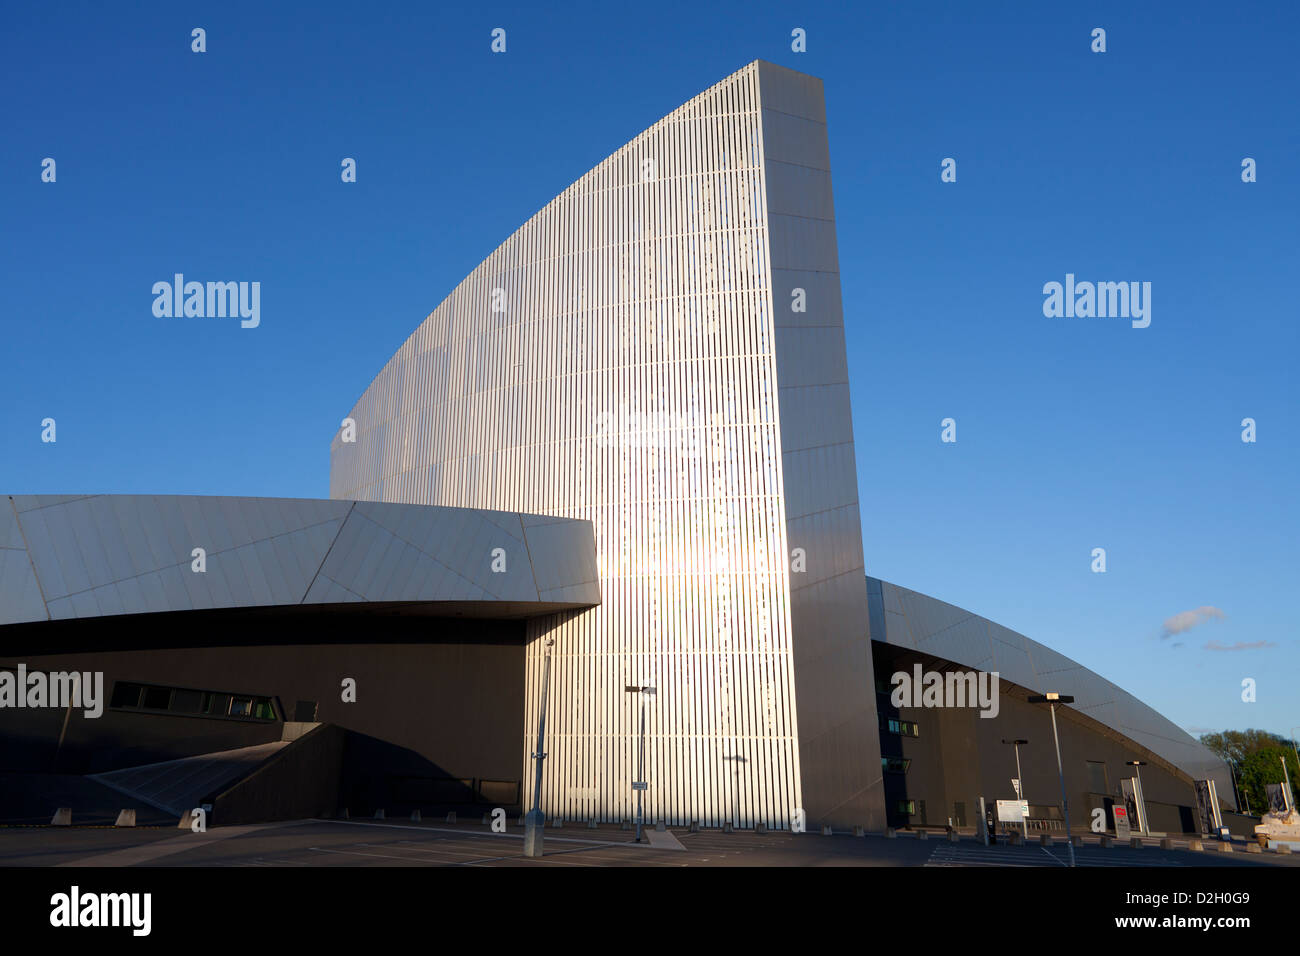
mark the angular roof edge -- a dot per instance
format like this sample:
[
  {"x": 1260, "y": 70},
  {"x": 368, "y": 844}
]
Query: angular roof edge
[{"x": 70, "y": 556}]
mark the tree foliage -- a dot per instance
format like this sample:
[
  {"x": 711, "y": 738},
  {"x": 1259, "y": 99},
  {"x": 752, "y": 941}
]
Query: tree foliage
[{"x": 1256, "y": 759}]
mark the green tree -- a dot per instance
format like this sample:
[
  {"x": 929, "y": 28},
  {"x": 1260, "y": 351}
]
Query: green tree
[
  {"x": 1254, "y": 758},
  {"x": 1264, "y": 766}
]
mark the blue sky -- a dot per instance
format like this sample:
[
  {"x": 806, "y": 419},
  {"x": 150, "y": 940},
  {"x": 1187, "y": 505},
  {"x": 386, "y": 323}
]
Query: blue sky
[{"x": 1072, "y": 433}]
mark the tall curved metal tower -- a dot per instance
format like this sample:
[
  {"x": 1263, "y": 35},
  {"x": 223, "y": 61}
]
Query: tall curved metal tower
[{"x": 660, "y": 350}]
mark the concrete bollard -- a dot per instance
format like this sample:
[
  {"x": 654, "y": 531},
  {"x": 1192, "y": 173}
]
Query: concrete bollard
[
  {"x": 1045, "y": 839},
  {"x": 1254, "y": 848},
  {"x": 1167, "y": 843},
  {"x": 1016, "y": 838},
  {"x": 416, "y": 817},
  {"x": 1107, "y": 841},
  {"x": 728, "y": 828},
  {"x": 62, "y": 817},
  {"x": 1225, "y": 846},
  {"x": 827, "y": 831},
  {"x": 451, "y": 817},
  {"x": 922, "y": 834},
  {"x": 626, "y": 824},
  {"x": 760, "y": 828},
  {"x": 1135, "y": 843},
  {"x": 694, "y": 827},
  {"x": 1282, "y": 848},
  {"x": 1195, "y": 845},
  {"x": 891, "y": 833},
  {"x": 660, "y": 827},
  {"x": 380, "y": 815},
  {"x": 859, "y": 831},
  {"x": 557, "y": 822},
  {"x": 125, "y": 818}
]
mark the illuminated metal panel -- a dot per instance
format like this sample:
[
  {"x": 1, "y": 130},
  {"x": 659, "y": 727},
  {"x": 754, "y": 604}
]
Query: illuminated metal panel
[
  {"x": 65, "y": 557},
  {"x": 616, "y": 359},
  {"x": 839, "y": 745}
]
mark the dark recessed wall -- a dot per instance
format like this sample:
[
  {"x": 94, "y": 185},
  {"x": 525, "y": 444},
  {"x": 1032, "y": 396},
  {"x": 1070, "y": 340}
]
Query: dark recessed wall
[
  {"x": 959, "y": 757},
  {"x": 435, "y": 700}
]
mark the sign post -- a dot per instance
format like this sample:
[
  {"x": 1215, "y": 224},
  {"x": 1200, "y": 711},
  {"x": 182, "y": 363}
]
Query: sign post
[
  {"x": 1015, "y": 784},
  {"x": 1016, "y": 780},
  {"x": 1207, "y": 807},
  {"x": 1013, "y": 811},
  {"x": 1122, "y": 829},
  {"x": 1139, "y": 801}
]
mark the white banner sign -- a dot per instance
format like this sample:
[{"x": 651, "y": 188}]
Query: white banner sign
[{"x": 1012, "y": 811}]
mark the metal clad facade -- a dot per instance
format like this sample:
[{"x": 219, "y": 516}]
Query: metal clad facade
[
  {"x": 616, "y": 360},
  {"x": 838, "y": 741}
]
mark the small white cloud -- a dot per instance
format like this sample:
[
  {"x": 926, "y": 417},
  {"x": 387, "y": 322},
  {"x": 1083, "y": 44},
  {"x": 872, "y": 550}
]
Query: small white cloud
[
  {"x": 1186, "y": 620},
  {"x": 1239, "y": 646}
]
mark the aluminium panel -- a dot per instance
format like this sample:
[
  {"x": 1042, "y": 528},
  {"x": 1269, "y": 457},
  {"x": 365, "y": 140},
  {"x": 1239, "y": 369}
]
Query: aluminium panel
[
  {"x": 616, "y": 360},
  {"x": 11, "y": 536},
  {"x": 20, "y": 592},
  {"x": 130, "y": 554}
]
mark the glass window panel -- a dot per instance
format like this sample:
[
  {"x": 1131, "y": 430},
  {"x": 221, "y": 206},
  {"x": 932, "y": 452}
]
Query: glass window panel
[
  {"x": 126, "y": 695},
  {"x": 157, "y": 698}
]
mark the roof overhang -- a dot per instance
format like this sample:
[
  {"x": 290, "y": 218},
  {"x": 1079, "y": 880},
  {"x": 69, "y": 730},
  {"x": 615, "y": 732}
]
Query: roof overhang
[{"x": 66, "y": 557}]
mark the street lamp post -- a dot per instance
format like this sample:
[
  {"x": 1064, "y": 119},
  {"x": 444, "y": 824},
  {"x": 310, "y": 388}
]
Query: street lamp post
[
  {"x": 640, "y": 784},
  {"x": 1021, "y": 795},
  {"x": 535, "y": 821},
  {"x": 1053, "y": 699},
  {"x": 1143, "y": 826}
]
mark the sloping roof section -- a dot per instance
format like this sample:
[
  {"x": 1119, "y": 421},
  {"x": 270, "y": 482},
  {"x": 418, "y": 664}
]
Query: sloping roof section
[
  {"x": 69, "y": 556},
  {"x": 916, "y": 621}
]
